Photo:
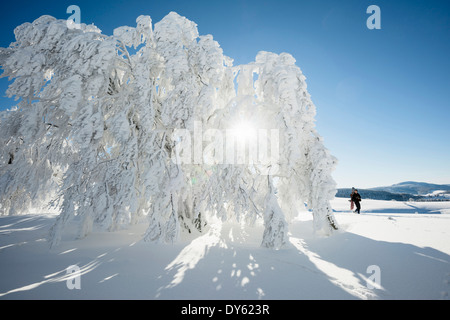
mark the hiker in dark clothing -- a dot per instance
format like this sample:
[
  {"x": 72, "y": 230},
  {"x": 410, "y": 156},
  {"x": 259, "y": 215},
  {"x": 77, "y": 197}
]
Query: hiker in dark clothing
[{"x": 356, "y": 198}]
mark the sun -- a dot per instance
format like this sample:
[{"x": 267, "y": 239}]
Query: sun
[{"x": 244, "y": 130}]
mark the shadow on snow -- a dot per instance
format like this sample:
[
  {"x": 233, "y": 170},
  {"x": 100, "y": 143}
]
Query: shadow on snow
[{"x": 225, "y": 263}]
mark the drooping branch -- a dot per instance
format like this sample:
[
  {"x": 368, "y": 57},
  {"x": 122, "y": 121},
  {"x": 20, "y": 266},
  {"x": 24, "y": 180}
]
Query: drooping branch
[{"x": 111, "y": 115}]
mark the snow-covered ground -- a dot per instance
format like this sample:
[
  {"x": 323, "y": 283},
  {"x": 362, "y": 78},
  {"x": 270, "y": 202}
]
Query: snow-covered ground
[{"x": 403, "y": 247}]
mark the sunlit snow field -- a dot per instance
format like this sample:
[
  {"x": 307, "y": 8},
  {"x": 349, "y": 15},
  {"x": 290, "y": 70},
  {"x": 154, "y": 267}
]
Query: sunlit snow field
[{"x": 403, "y": 247}]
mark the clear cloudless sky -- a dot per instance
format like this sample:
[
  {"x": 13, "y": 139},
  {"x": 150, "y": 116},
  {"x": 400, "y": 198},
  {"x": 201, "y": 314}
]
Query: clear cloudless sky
[{"x": 382, "y": 96}]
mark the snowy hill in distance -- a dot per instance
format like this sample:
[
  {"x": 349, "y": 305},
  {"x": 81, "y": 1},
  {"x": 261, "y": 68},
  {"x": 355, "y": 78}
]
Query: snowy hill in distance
[
  {"x": 404, "y": 191},
  {"x": 414, "y": 188}
]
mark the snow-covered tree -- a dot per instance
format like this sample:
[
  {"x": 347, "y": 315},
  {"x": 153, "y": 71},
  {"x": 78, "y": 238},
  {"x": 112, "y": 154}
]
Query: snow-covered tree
[{"x": 95, "y": 134}]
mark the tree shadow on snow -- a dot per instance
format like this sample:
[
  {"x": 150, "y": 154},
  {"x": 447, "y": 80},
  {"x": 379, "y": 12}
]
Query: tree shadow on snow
[
  {"x": 404, "y": 271},
  {"x": 232, "y": 265},
  {"x": 227, "y": 262},
  {"x": 344, "y": 266}
]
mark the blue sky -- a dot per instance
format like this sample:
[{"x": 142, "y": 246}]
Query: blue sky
[{"x": 382, "y": 96}]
